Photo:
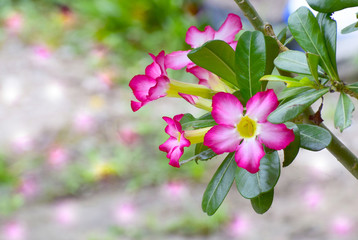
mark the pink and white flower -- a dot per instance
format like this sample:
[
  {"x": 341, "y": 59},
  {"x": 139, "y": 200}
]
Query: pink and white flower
[
  {"x": 174, "y": 146},
  {"x": 196, "y": 38},
  {"x": 244, "y": 134}
]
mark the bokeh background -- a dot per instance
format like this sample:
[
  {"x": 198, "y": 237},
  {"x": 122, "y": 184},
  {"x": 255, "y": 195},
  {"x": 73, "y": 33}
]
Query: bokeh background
[{"x": 77, "y": 164}]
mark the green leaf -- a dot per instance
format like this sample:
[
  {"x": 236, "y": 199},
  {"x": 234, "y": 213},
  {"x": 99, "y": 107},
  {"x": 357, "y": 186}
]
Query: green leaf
[
  {"x": 296, "y": 106},
  {"x": 188, "y": 121},
  {"x": 294, "y": 61},
  {"x": 291, "y": 82},
  {"x": 252, "y": 185},
  {"x": 330, "y": 6},
  {"x": 203, "y": 153},
  {"x": 263, "y": 202},
  {"x": 291, "y": 92},
  {"x": 250, "y": 61},
  {"x": 291, "y": 151},
  {"x": 219, "y": 185},
  {"x": 329, "y": 30},
  {"x": 312, "y": 60},
  {"x": 313, "y": 137},
  {"x": 305, "y": 29},
  {"x": 218, "y": 57},
  {"x": 271, "y": 53},
  {"x": 350, "y": 28},
  {"x": 343, "y": 114},
  {"x": 353, "y": 87},
  {"x": 282, "y": 35}
]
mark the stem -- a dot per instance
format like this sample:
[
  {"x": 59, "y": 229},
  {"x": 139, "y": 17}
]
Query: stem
[
  {"x": 336, "y": 147},
  {"x": 340, "y": 151}
]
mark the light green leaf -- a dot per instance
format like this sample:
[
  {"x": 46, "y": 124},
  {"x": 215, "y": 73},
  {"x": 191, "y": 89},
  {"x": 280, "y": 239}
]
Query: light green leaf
[
  {"x": 263, "y": 202},
  {"x": 250, "y": 62},
  {"x": 312, "y": 60},
  {"x": 291, "y": 82},
  {"x": 291, "y": 151},
  {"x": 330, "y": 6},
  {"x": 291, "y": 92},
  {"x": 343, "y": 114},
  {"x": 305, "y": 29},
  {"x": 350, "y": 28},
  {"x": 353, "y": 87},
  {"x": 219, "y": 185},
  {"x": 218, "y": 57},
  {"x": 282, "y": 35},
  {"x": 313, "y": 137},
  {"x": 296, "y": 106},
  {"x": 252, "y": 185}
]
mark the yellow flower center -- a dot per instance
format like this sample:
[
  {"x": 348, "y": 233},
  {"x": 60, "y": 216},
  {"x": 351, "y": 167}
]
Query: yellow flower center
[{"x": 246, "y": 127}]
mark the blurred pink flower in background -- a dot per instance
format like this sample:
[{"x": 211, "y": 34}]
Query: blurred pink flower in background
[
  {"x": 312, "y": 197},
  {"x": 41, "y": 52},
  {"x": 28, "y": 186},
  {"x": 125, "y": 214},
  {"x": 175, "y": 190},
  {"x": 58, "y": 157},
  {"x": 65, "y": 213},
  {"x": 14, "y": 23},
  {"x": 13, "y": 231},
  {"x": 239, "y": 226},
  {"x": 128, "y": 136},
  {"x": 22, "y": 142},
  {"x": 342, "y": 225},
  {"x": 106, "y": 79},
  {"x": 84, "y": 122}
]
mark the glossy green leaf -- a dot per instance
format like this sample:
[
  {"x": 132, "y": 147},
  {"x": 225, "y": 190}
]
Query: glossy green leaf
[
  {"x": 263, "y": 202},
  {"x": 252, "y": 185},
  {"x": 330, "y": 6},
  {"x": 350, "y": 28},
  {"x": 294, "y": 61},
  {"x": 296, "y": 106},
  {"x": 312, "y": 60},
  {"x": 313, "y": 137},
  {"x": 271, "y": 53},
  {"x": 219, "y": 185},
  {"x": 353, "y": 87},
  {"x": 291, "y": 151},
  {"x": 291, "y": 92},
  {"x": 305, "y": 29},
  {"x": 343, "y": 114},
  {"x": 218, "y": 57},
  {"x": 203, "y": 153},
  {"x": 188, "y": 121},
  {"x": 329, "y": 30},
  {"x": 291, "y": 82},
  {"x": 250, "y": 61}
]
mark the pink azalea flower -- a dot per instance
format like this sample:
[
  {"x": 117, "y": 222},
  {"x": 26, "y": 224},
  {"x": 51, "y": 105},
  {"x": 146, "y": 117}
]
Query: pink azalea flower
[
  {"x": 196, "y": 38},
  {"x": 245, "y": 133}
]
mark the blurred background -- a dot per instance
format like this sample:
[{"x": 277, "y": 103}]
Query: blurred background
[{"x": 77, "y": 164}]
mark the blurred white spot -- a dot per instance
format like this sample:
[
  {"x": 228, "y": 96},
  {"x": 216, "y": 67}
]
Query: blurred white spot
[
  {"x": 54, "y": 92},
  {"x": 84, "y": 122},
  {"x": 65, "y": 213},
  {"x": 22, "y": 142},
  {"x": 10, "y": 91},
  {"x": 125, "y": 214}
]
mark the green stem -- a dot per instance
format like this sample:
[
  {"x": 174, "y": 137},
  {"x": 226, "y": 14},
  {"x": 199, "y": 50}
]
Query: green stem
[{"x": 336, "y": 147}]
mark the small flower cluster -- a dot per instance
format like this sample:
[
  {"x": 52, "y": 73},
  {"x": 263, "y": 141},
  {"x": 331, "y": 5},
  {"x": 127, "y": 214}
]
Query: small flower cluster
[{"x": 239, "y": 129}]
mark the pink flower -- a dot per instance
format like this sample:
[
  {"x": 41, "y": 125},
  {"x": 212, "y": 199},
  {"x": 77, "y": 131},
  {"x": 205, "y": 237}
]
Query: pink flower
[
  {"x": 128, "y": 136},
  {"x": 196, "y": 38},
  {"x": 245, "y": 133},
  {"x": 239, "y": 226},
  {"x": 174, "y": 146},
  {"x": 125, "y": 214},
  {"x": 28, "y": 187},
  {"x": 13, "y": 231},
  {"x": 65, "y": 213},
  {"x": 342, "y": 226},
  {"x": 58, "y": 157},
  {"x": 14, "y": 23}
]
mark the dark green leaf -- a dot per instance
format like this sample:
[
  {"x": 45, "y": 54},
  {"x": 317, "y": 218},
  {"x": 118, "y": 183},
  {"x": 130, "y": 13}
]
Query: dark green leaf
[
  {"x": 291, "y": 92},
  {"x": 282, "y": 35},
  {"x": 294, "y": 61},
  {"x": 188, "y": 121},
  {"x": 250, "y": 61},
  {"x": 218, "y": 57},
  {"x": 330, "y": 6},
  {"x": 291, "y": 151},
  {"x": 271, "y": 53},
  {"x": 313, "y": 137},
  {"x": 329, "y": 30},
  {"x": 296, "y": 106},
  {"x": 252, "y": 185},
  {"x": 203, "y": 153},
  {"x": 305, "y": 29},
  {"x": 219, "y": 185},
  {"x": 312, "y": 60},
  {"x": 350, "y": 28},
  {"x": 343, "y": 114},
  {"x": 263, "y": 202}
]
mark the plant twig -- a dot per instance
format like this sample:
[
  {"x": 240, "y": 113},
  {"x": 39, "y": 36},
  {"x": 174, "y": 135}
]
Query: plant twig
[{"x": 251, "y": 14}]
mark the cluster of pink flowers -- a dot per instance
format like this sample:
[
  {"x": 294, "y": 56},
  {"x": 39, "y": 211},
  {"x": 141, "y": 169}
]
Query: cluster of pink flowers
[{"x": 240, "y": 130}]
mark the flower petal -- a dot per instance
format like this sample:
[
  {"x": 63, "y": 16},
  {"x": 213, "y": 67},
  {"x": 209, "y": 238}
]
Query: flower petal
[
  {"x": 157, "y": 68},
  {"x": 229, "y": 28},
  {"x": 174, "y": 128},
  {"x": 140, "y": 85},
  {"x": 174, "y": 156},
  {"x": 227, "y": 109},
  {"x": 160, "y": 88},
  {"x": 189, "y": 98},
  {"x": 137, "y": 105},
  {"x": 275, "y": 136},
  {"x": 221, "y": 138},
  {"x": 196, "y": 38},
  {"x": 202, "y": 74},
  {"x": 177, "y": 60},
  {"x": 261, "y": 105},
  {"x": 249, "y": 154}
]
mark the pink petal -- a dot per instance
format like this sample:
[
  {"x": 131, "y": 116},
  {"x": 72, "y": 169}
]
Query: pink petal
[
  {"x": 177, "y": 60},
  {"x": 233, "y": 45},
  {"x": 221, "y": 138},
  {"x": 137, "y": 105},
  {"x": 140, "y": 85},
  {"x": 189, "y": 98},
  {"x": 196, "y": 38},
  {"x": 229, "y": 28},
  {"x": 174, "y": 127},
  {"x": 153, "y": 70},
  {"x": 202, "y": 74},
  {"x": 157, "y": 68},
  {"x": 227, "y": 109},
  {"x": 249, "y": 154},
  {"x": 174, "y": 156},
  {"x": 160, "y": 88},
  {"x": 168, "y": 145},
  {"x": 261, "y": 105},
  {"x": 275, "y": 136}
]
